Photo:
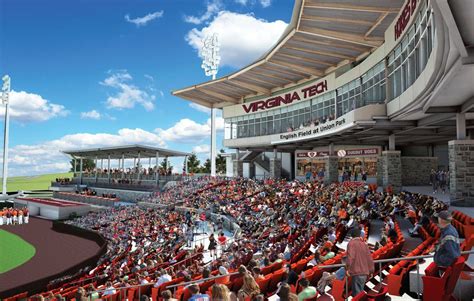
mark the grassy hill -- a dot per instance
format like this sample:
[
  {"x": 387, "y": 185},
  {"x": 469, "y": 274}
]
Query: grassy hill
[{"x": 40, "y": 182}]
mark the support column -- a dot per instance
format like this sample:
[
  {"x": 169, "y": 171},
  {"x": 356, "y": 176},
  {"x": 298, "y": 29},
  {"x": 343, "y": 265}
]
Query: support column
[
  {"x": 391, "y": 142},
  {"x": 95, "y": 167},
  {"x": 461, "y": 126},
  {"x": 167, "y": 166},
  {"x": 238, "y": 165},
  {"x": 331, "y": 149},
  {"x": 331, "y": 173},
  {"x": 74, "y": 168},
  {"x": 251, "y": 170},
  {"x": 392, "y": 170},
  {"x": 275, "y": 168},
  {"x": 461, "y": 171},
  {"x": 275, "y": 165},
  {"x": 123, "y": 166},
  {"x": 108, "y": 169},
  {"x": 149, "y": 166},
  {"x": 157, "y": 169},
  {"x": 138, "y": 167},
  {"x": 80, "y": 171},
  {"x": 186, "y": 165},
  {"x": 213, "y": 142}
]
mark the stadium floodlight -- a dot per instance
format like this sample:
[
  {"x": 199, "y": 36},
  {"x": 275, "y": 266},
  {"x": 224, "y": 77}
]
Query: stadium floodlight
[
  {"x": 210, "y": 64},
  {"x": 5, "y": 101}
]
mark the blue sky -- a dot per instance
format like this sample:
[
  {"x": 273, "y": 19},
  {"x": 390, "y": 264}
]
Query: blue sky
[{"x": 92, "y": 73}]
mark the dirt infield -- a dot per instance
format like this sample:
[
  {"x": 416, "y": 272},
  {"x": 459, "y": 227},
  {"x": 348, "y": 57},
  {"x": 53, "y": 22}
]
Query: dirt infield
[{"x": 55, "y": 252}]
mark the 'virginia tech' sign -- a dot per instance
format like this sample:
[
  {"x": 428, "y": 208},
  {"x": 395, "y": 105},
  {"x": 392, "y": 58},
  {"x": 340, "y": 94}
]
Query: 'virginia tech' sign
[
  {"x": 404, "y": 18},
  {"x": 287, "y": 98}
]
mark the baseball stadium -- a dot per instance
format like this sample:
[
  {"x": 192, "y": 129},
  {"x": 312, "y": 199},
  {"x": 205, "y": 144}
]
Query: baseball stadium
[{"x": 348, "y": 174}]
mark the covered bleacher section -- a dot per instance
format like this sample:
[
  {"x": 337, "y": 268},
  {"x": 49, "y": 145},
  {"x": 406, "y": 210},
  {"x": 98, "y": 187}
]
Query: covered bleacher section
[{"x": 131, "y": 167}]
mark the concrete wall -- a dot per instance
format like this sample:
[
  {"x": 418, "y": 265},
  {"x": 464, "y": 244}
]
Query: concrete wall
[
  {"x": 416, "y": 170},
  {"x": 123, "y": 195},
  {"x": 52, "y": 212}
]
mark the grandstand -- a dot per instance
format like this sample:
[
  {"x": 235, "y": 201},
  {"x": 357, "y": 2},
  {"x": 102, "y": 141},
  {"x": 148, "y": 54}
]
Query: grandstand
[
  {"x": 268, "y": 224},
  {"x": 357, "y": 102}
]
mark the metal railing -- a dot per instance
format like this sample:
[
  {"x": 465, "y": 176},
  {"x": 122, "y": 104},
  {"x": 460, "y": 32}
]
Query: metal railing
[{"x": 332, "y": 266}]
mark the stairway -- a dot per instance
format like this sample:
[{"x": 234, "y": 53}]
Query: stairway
[{"x": 263, "y": 161}]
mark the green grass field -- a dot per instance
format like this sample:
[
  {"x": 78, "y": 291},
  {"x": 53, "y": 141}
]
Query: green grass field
[
  {"x": 14, "y": 251},
  {"x": 41, "y": 182}
]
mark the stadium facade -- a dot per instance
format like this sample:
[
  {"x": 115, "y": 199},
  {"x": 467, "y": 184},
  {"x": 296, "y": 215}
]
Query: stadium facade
[{"x": 383, "y": 86}]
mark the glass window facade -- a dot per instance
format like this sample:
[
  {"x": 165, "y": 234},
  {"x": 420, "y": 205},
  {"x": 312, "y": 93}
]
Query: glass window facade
[
  {"x": 368, "y": 89},
  {"x": 406, "y": 62},
  {"x": 385, "y": 81}
]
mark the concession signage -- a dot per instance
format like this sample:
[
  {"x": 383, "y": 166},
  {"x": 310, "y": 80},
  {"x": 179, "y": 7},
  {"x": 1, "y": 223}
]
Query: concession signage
[{"x": 348, "y": 153}]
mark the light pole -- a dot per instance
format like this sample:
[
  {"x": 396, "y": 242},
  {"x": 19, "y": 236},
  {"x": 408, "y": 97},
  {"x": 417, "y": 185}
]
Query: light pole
[
  {"x": 210, "y": 64},
  {"x": 5, "y": 98}
]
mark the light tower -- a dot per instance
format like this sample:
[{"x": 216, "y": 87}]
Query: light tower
[
  {"x": 210, "y": 64},
  {"x": 5, "y": 101}
]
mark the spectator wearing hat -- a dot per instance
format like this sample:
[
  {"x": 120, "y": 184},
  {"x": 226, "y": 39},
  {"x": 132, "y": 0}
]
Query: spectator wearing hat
[{"x": 448, "y": 248}]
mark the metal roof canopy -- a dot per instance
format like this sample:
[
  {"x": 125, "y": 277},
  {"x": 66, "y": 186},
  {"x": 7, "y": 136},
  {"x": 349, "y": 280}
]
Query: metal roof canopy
[
  {"x": 127, "y": 151},
  {"x": 322, "y": 36}
]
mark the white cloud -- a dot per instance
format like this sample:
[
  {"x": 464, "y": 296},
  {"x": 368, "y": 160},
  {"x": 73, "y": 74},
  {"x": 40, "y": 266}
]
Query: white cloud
[
  {"x": 211, "y": 9},
  {"x": 30, "y": 107},
  {"x": 128, "y": 94},
  {"x": 91, "y": 115},
  {"x": 47, "y": 157},
  {"x": 243, "y": 37},
  {"x": 142, "y": 21},
  {"x": 96, "y": 115},
  {"x": 265, "y": 3},
  {"x": 200, "y": 108},
  {"x": 189, "y": 131},
  {"x": 149, "y": 77},
  {"x": 200, "y": 149}
]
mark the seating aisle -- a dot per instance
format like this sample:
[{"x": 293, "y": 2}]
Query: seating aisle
[{"x": 410, "y": 242}]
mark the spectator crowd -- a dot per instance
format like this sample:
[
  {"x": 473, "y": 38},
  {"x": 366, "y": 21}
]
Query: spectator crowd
[{"x": 280, "y": 221}]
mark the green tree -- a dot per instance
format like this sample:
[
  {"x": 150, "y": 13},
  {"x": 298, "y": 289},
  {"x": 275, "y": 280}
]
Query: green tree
[
  {"x": 193, "y": 164},
  {"x": 87, "y": 164},
  {"x": 206, "y": 168},
  {"x": 221, "y": 165},
  {"x": 165, "y": 164}
]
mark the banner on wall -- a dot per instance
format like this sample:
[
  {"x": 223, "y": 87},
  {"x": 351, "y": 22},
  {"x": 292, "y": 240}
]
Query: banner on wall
[{"x": 328, "y": 128}]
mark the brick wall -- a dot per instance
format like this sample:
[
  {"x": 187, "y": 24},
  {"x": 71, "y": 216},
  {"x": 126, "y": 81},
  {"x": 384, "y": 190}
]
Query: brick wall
[
  {"x": 416, "y": 170},
  {"x": 461, "y": 166}
]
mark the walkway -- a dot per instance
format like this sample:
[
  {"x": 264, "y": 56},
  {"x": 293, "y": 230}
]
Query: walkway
[{"x": 427, "y": 190}]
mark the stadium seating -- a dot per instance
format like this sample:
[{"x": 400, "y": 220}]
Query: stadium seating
[
  {"x": 463, "y": 223},
  {"x": 440, "y": 288},
  {"x": 235, "y": 200}
]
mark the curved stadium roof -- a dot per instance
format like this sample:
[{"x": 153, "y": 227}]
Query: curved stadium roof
[{"x": 322, "y": 36}]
